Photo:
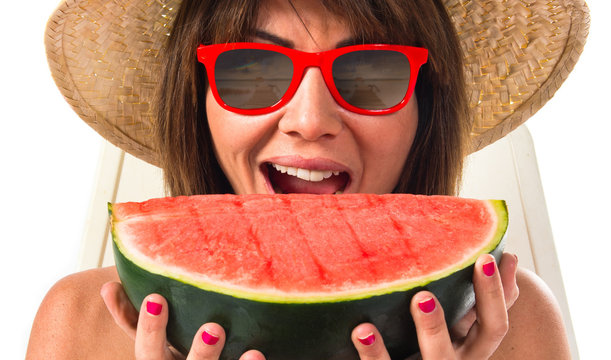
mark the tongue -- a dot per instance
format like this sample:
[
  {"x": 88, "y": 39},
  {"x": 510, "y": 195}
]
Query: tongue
[{"x": 292, "y": 184}]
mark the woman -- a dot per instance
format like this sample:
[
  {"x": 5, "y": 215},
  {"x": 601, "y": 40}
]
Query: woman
[{"x": 318, "y": 137}]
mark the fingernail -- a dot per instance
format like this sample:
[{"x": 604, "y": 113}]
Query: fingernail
[
  {"x": 427, "y": 305},
  {"x": 367, "y": 340},
  {"x": 209, "y": 339},
  {"x": 153, "y": 308},
  {"x": 488, "y": 268}
]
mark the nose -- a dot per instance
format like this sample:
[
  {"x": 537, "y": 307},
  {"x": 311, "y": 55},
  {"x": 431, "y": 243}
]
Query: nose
[{"x": 312, "y": 113}]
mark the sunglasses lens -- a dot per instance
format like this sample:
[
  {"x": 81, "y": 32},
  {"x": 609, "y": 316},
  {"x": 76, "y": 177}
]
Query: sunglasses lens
[
  {"x": 252, "y": 78},
  {"x": 372, "y": 79}
]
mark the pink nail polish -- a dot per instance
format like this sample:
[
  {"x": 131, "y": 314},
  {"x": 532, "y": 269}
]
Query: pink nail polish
[
  {"x": 153, "y": 308},
  {"x": 368, "y": 340},
  {"x": 488, "y": 268},
  {"x": 427, "y": 306},
  {"x": 209, "y": 338}
]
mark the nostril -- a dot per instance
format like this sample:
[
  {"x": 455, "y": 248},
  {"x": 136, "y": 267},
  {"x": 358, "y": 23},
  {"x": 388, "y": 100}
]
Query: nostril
[
  {"x": 310, "y": 125},
  {"x": 312, "y": 113}
]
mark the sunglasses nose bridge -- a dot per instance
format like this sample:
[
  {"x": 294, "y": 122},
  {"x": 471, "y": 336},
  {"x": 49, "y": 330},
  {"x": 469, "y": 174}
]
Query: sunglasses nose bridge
[{"x": 307, "y": 60}]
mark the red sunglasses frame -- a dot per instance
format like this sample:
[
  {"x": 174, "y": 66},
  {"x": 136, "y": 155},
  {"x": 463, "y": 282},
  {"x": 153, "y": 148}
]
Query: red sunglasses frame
[{"x": 208, "y": 54}]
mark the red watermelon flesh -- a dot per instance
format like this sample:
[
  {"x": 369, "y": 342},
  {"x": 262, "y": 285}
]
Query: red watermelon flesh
[{"x": 306, "y": 248}]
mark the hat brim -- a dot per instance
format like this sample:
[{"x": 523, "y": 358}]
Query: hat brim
[{"x": 104, "y": 57}]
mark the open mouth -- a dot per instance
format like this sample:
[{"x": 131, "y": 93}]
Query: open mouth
[{"x": 287, "y": 180}]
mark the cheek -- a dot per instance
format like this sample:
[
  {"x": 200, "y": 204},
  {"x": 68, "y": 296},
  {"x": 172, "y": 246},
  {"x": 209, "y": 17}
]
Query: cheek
[
  {"x": 390, "y": 146},
  {"x": 399, "y": 144},
  {"x": 228, "y": 138},
  {"x": 234, "y": 133},
  {"x": 227, "y": 131},
  {"x": 237, "y": 139},
  {"x": 214, "y": 114},
  {"x": 224, "y": 132}
]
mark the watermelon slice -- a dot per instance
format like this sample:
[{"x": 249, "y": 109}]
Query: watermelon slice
[{"x": 291, "y": 275}]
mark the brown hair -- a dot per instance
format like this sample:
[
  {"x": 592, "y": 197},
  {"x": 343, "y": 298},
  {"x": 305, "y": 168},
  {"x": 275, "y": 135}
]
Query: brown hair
[{"x": 434, "y": 164}]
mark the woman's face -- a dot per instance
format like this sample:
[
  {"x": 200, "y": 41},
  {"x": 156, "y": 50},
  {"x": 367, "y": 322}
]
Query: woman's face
[{"x": 311, "y": 137}]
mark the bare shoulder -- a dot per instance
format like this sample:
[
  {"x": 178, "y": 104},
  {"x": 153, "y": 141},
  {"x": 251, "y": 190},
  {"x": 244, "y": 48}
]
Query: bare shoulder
[
  {"x": 73, "y": 323},
  {"x": 536, "y": 328}
]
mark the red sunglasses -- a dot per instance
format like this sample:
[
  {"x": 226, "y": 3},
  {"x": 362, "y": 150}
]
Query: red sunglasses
[{"x": 256, "y": 78}]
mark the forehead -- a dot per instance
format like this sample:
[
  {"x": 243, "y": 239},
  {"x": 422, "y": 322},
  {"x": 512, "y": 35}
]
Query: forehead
[{"x": 306, "y": 23}]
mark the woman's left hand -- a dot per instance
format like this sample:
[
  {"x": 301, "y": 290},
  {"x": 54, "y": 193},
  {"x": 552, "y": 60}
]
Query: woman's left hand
[{"x": 476, "y": 336}]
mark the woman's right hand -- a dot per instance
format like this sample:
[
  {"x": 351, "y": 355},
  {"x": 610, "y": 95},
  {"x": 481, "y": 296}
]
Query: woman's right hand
[{"x": 147, "y": 328}]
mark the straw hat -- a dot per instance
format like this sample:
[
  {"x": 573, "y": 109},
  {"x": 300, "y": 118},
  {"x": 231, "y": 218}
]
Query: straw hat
[{"x": 104, "y": 57}]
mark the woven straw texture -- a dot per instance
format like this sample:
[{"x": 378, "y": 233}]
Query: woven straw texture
[
  {"x": 517, "y": 54},
  {"x": 104, "y": 57}
]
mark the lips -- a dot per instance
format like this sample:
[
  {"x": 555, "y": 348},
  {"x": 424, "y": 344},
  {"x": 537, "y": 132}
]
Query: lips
[{"x": 291, "y": 179}]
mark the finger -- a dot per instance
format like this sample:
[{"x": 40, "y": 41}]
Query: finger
[
  {"x": 120, "y": 308},
  {"x": 492, "y": 322},
  {"x": 433, "y": 335},
  {"x": 252, "y": 355},
  {"x": 150, "y": 334},
  {"x": 508, "y": 268},
  {"x": 207, "y": 343},
  {"x": 369, "y": 343},
  {"x": 462, "y": 326}
]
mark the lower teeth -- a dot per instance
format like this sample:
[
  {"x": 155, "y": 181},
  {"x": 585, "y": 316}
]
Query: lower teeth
[{"x": 279, "y": 191}]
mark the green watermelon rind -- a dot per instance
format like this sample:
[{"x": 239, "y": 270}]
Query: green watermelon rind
[{"x": 498, "y": 206}]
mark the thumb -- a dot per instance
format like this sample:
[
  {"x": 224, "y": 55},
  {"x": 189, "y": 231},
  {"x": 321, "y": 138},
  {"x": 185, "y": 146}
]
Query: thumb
[{"x": 120, "y": 308}]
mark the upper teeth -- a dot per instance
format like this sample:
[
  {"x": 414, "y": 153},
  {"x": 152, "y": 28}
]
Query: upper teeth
[{"x": 305, "y": 174}]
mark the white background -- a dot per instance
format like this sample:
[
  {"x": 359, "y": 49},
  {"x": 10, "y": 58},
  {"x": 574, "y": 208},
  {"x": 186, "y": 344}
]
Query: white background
[{"x": 48, "y": 158}]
